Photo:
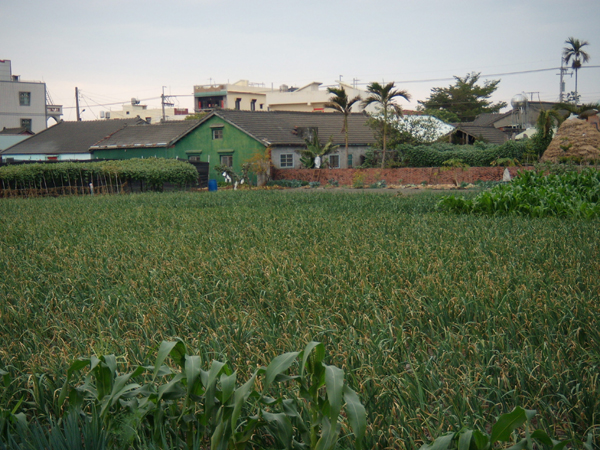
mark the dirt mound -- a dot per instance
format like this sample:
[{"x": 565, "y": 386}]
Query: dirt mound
[{"x": 575, "y": 139}]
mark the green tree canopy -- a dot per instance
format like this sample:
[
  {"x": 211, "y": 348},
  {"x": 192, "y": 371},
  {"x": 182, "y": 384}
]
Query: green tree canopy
[{"x": 464, "y": 100}]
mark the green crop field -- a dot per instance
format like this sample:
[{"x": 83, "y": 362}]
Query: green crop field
[{"x": 438, "y": 320}]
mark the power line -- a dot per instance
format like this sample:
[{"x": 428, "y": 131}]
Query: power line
[{"x": 428, "y": 80}]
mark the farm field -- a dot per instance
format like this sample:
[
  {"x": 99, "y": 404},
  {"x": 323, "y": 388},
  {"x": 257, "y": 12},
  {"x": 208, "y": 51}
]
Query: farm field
[{"x": 438, "y": 320}]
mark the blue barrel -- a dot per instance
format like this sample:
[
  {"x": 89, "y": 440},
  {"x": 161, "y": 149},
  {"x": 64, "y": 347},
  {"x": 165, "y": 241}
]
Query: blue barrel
[{"x": 212, "y": 185}]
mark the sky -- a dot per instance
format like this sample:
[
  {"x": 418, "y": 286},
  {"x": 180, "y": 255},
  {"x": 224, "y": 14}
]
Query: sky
[{"x": 113, "y": 50}]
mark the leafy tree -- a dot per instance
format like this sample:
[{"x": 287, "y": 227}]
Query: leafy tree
[
  {"x": 465, "y": 99},
  {"x": 340, "y": 102},
  {"x": 384, "y": 97},
  {"x": 574, "y": 52},
  {"x": 412, "y": 130}
]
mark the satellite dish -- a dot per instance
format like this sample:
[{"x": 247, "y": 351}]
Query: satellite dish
[{"x": 135, "y": 101}]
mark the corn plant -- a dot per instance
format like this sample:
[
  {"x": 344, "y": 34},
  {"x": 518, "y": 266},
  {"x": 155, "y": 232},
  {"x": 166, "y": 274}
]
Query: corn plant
[
  {"x": 503, "y": 434},
  {"x": 573, "y": 194},
  {"x": 188, "y": 407}
]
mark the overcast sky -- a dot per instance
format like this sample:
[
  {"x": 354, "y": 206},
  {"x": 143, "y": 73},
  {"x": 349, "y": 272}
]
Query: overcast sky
[{"x": 117, "y": 49}]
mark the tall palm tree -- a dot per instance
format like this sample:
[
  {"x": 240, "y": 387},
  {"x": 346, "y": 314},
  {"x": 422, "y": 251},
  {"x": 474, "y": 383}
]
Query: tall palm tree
[
  {"x": 573, "y": 51},
  {"x": 340, "y": 102},
  {"x": 384, "y": 96}
]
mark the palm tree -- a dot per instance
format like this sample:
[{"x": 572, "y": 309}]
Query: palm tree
[
  {"x": 573, "y": 51},
  {"x": 384, "y": 96},
  {"x": 341, "y": 103}
]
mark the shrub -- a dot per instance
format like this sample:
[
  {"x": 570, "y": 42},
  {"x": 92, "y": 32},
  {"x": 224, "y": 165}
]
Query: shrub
[
  {"x": 153, "y": 172},
  {"x": 480, "y": 155}
]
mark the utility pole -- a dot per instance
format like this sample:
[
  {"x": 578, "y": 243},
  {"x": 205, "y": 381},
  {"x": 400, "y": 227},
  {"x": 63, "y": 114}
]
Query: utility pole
[
  {"x": 164, "y": 103},
  {"x": 563, "y": 71},
  {"x": 77, "y": 104}
]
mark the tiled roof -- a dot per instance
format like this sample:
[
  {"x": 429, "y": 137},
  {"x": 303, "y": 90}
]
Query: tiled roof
[
  {"x": 157, "y": 135},
  {"x": 69, "y": 137},
  {"x": 18, "y": 130},
  {"x": 489, "y": 133},
  {"x": 487, "y": 119},
  {"x": 278, "y": 127}
]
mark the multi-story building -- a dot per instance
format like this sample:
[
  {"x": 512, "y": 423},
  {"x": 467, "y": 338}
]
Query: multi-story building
[
  {"x": 241, "y": 95},
  {"x": 23, "y": 104}
]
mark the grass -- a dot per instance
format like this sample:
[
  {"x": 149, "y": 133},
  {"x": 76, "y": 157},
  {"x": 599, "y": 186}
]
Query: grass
[{"x": 439, "y": 321}]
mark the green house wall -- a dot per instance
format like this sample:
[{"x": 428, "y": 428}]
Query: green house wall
[
  {"x": 200, "y": 143},
  {"x": 234, "y": 143}
]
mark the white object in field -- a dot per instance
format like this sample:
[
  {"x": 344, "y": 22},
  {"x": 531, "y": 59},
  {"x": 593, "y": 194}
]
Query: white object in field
[
  {"x": 506, "y": 175},
  {"x": 318, "y": 162},
  {"x": 242, "y": 182},
  {"x": 235, "y": 185}
]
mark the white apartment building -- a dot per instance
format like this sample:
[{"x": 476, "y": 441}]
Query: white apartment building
[
  {"x": 310, "y": 98},
  {"x": 23, "y": 103}
]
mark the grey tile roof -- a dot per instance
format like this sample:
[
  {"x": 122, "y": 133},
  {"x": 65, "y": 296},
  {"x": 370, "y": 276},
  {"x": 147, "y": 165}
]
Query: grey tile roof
[
  {"x": 277, "y": 127},
  {"x": 157, "y": 135},
  {"x": 18, "y": 130},
  {"x": 487, "y": 119},
  {"x": 489, "y": 133},
  {"x": 69, "y": 137}
]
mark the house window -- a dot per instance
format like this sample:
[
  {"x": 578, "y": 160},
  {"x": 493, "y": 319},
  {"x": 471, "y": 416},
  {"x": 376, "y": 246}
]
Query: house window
[
  {"x": 26, "y": 123},
  {"x": 217, "y": 133},
  {"x": 261, "y": 106},
  {"x": 238, "y": 103},
  {"x": 253, "y": 105},
  {"x": 227, "y": 160},
  {"x": 349, "y": 161},
  {"x": 286, "y": 160},
  {"x": 334, "y": 161},
  {"x": 25, "y": 98},
  {"x": 194, "y": 158}
]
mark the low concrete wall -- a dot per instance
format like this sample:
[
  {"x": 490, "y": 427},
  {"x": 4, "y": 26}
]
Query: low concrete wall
[{"x": 405, "y": 175}]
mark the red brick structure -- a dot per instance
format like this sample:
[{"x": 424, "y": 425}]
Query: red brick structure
[{"x": 402, "y": 176}]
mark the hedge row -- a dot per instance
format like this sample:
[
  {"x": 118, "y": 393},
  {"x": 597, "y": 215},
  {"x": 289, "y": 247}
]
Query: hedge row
[
  {"x": 479, "y": 155},
  {"x": 151, "y": 171}
]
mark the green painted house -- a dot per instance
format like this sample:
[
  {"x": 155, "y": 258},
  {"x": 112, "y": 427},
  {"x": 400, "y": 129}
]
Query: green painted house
[{"x": 211, "y": 140}]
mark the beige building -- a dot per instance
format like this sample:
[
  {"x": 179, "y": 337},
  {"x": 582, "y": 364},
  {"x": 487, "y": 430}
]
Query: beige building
[
  {"x": 152, "y": 115},
  {"x": 241, "y": 95}
]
